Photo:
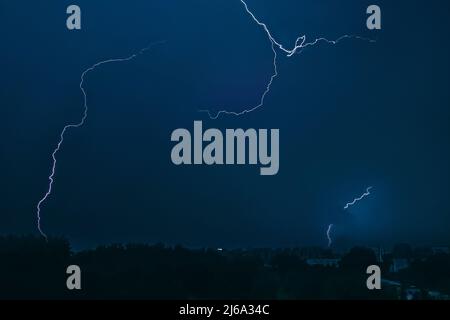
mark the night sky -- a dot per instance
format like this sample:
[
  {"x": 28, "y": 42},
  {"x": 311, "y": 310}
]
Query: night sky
[{"x": 351, "y": 116}]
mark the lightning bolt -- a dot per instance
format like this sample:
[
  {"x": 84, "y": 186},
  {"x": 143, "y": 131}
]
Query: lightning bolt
[
  {"x": 78, "y": 124},
  {"x": 330, "y": 241},
  {"x": 348, "y": 205},
  {"x": 299, "y": 46},
  {"x": 366, "y": 194}
]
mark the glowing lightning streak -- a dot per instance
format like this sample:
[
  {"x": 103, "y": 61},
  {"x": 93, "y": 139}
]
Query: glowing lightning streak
[
  {"x": 330, "y": 227},
  {"x": 330, "y": 241},
  {"x": 78, "y": 125},
  {"x": 366, "y": 194},
  {"x": 300, "y": 44}
]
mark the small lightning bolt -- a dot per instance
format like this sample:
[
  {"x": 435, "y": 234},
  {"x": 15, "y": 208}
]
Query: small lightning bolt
[
  {"x": 330, "y": 241},
  {"x": 300, "y": 45},
  {"x": 348, "y": 205},
  {"x": 366, "y": 194},
  {"x": 79, "y": 124}
]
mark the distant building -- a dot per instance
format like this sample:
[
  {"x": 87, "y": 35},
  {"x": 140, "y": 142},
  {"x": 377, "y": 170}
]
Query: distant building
[
  {"x": 379, "y": 253},
  {"x": 445, "y": 250},
  {"x": 436, "y": 295},
  {"x": 323, "y": 262},
  {"x": 413, "y": 293},
  {"x": 398, "y": 265}
]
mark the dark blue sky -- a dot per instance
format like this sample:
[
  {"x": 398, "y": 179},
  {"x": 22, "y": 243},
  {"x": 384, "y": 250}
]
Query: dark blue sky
[{"x": 350, "y": 116}]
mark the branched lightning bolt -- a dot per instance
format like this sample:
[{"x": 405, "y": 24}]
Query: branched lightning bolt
[
  {"x": 366, "y": 194},
  {"x": 300, "y": 45},
  {"x": 79, "y": 124},
  {"x": 330, "y": 241}
]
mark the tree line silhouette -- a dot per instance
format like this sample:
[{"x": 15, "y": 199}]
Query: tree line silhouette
[{"x": 31, "y": 268}]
